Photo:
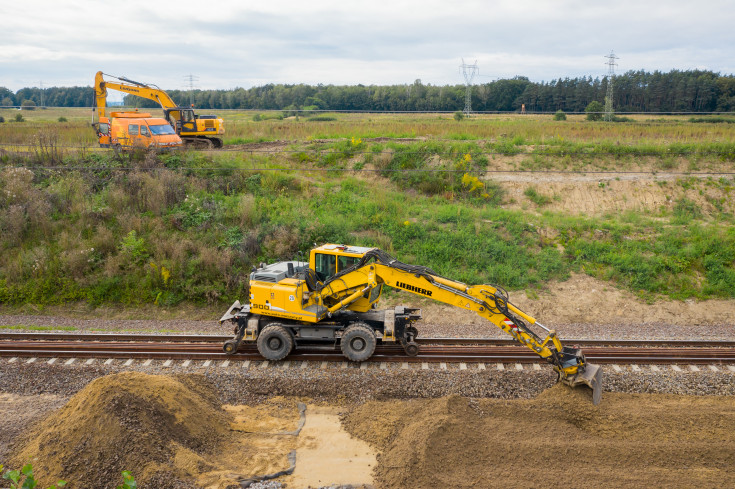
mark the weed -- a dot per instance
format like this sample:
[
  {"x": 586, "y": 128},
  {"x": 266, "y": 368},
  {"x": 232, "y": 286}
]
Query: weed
[
  {"x": 23, "y": 478},
  {"x": 535, "y": 197}
]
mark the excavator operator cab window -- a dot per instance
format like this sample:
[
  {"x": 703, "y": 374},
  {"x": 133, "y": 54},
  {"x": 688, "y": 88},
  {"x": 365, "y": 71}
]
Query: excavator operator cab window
[
  {"x": 187, "y": 115},
  {"x": 325, "y": 266},
  {"x": 347, "y": 261}
]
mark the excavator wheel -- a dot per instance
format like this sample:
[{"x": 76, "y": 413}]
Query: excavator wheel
[
  {"x": 275, "y": 342},
  {"x": 230, "y": 347},
  {"x": 358, "y": 342},
  {"x": 411, "y": 348}
]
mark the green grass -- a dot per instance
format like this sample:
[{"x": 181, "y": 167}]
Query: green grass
[
  {"x": 33, "y": 327},
  {"x": 187, "y": 227}
]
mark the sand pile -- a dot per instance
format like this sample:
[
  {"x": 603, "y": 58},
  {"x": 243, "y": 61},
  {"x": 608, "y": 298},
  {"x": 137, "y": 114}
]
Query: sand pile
[
  {"x": 629, "y": 440},
  {"x": 156, "y": 426}
]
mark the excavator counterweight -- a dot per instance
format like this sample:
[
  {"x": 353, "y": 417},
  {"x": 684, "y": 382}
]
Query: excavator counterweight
[{"x": 334, "y": 296}]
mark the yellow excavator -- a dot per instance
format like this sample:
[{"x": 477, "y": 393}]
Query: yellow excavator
[
  {"x": 200, "y": 131},
  {"x": 333, "y": 298}
]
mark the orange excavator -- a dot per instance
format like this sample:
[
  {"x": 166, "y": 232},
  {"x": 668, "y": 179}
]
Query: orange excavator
[{"x": 199, "y": 131}]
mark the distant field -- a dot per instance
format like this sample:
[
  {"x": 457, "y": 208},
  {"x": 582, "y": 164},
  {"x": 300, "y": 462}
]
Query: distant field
[{"x": 507, "y": 199}]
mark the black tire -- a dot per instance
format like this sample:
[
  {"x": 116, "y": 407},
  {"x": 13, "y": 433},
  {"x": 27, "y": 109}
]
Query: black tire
[
  {"x": 358, "y": 342},
  {"x": 275, "y": 342}
]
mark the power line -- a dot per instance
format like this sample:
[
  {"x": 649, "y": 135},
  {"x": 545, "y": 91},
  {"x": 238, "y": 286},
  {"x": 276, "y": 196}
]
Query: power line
[
  {"x": 610, "y": 77},
  {"x": 469, "y": 72},
  {"x": 191, "y": 79}
]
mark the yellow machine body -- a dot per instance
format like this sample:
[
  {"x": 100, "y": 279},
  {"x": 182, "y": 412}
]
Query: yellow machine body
[{"x": 339, "y": 279}]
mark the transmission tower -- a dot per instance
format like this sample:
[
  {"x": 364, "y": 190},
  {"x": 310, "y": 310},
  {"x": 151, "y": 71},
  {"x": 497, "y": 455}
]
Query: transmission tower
[
  {"x": 191, "y": 79},
  {"x": 43, "y": 102},
  {"x": 469, "y": 72},
  {"x": 610, "y": 77}
]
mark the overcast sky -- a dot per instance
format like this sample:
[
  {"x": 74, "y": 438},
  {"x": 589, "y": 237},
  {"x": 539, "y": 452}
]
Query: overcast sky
[{"x": 228, "y": 43}]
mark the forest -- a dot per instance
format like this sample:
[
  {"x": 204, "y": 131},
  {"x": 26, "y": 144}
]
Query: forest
[{"x": 635, "y": 91}]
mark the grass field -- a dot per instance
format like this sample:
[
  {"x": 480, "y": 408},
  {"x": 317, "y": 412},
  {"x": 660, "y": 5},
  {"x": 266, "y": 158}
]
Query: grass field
[{"x": 186, "y": 227}]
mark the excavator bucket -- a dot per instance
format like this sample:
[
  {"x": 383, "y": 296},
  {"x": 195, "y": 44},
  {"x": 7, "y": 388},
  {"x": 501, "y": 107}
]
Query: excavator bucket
[{"x": 592, "y": 378}]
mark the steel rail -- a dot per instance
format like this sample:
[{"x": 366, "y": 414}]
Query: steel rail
[
  {"x": 210, "y": 338},
  {"x": 392, "y": 353}
]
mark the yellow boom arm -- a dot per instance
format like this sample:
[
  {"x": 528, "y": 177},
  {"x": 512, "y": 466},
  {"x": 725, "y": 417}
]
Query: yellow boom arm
[
  {"x": 489, "y": 302},
  {"x": 101, "y": 86}
]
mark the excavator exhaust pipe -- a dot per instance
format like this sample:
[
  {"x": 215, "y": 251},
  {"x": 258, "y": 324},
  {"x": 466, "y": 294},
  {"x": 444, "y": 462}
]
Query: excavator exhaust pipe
[{"x": 590, "y": 377}]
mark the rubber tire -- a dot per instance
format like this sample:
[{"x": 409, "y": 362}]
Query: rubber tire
[
  {"x": 275, "y": 342},
  {"x": 230, "y": 347},
  {"x": 358, "y": 342}
]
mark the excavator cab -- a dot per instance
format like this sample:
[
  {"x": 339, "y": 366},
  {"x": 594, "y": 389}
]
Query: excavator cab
[{"x": 182, "y": 119}]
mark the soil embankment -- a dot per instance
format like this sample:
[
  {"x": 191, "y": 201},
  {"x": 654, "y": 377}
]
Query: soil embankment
[{"x": 628, "y": 441}]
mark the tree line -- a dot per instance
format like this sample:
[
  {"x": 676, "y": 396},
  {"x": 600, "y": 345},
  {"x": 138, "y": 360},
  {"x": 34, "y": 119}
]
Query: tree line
[{"x": 634, "y": 91}]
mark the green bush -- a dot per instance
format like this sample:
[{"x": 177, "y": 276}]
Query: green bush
[
  {"x": 560, "y": 115},
  {"x": 19, "y": 118},
  {"x": 459, "y": 115},
  {"x": 594, "y": 111},
  {"x": 63, "y": 119}
]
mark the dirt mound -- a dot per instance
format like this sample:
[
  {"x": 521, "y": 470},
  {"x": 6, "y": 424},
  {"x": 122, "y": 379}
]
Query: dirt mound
[
  {"x": 156, "y": 426},
  {"x": 628, "y": 441}
]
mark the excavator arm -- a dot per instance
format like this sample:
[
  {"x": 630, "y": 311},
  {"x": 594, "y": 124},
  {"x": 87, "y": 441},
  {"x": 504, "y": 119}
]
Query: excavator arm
[
  {"x": 132, "y": 87},
  {"x": 490, "y": 302}
]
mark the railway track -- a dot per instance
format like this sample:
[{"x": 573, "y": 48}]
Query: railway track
[{"x": 491, "y": 350}]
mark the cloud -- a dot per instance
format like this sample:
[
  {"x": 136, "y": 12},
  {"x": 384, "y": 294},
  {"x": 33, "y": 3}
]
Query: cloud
[{"x": 236, "y": 43}]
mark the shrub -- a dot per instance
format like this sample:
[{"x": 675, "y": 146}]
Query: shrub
[
  {"x": 560, "y": 115},
  {"x": 594, "y": 111},
  {"x": 257, "y": 118},
  {"x": 19, "y": 118},
  {"x": 459, "y": 115},
  {"x": 63, "y": 119},
  {"x": 2, "y": 119}
]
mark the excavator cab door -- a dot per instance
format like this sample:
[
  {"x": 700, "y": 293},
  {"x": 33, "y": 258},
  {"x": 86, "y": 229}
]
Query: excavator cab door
[{"x": 188, "y": 122}]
